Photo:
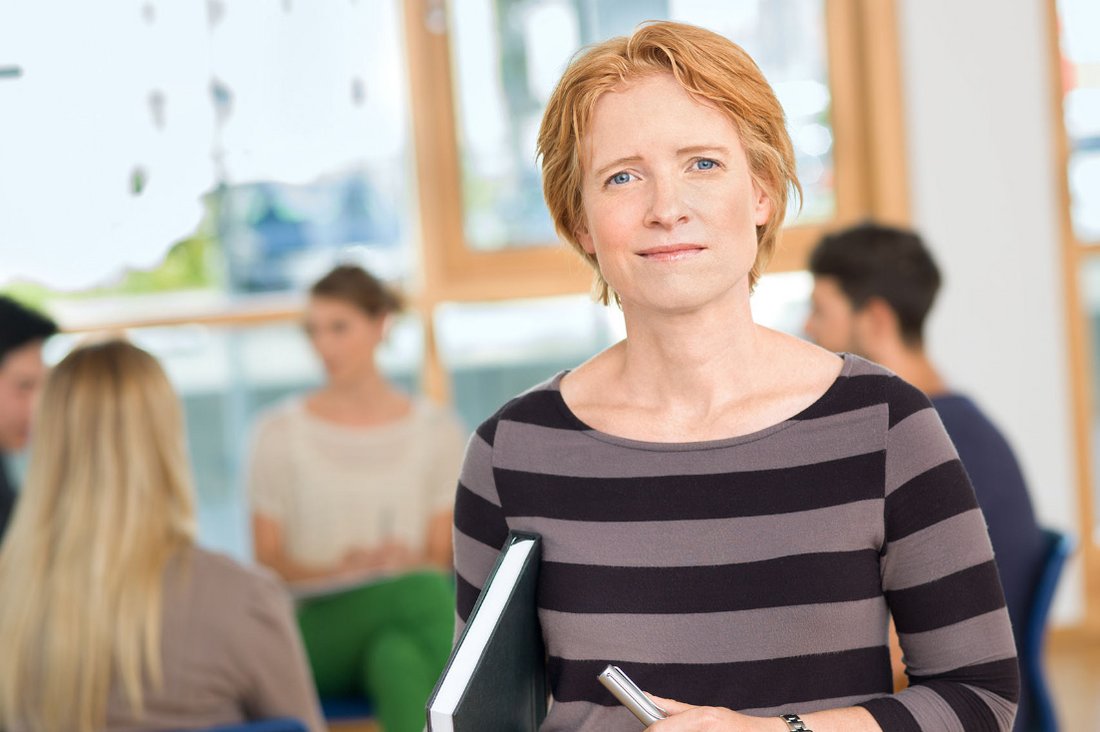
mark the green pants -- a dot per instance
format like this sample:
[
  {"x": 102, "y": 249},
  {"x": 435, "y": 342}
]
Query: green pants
[{"x": 388, "y": 641}]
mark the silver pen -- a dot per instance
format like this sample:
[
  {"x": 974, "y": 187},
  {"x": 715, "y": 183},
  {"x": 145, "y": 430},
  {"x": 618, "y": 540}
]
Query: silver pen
[{"x": 630, "y": 696}]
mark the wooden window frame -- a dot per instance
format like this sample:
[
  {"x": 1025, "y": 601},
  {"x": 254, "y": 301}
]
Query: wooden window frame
[
  {"x": 869, "y": 158},
  {"x": 1075, "y": 255}
]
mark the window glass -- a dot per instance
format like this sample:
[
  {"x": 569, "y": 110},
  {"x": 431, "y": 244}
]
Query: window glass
[
  {"x": 259, "y": 142},
  {"x": 1078, "y": 21},
  {"x": 782, "y": 301},
  {"x": 508, "y": 55},
  {"x": 312, "y": 141},
  {"x": 494, "y": 351}
]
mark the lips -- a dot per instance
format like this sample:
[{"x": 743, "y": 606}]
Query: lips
[{"x": 671, "y": 252}]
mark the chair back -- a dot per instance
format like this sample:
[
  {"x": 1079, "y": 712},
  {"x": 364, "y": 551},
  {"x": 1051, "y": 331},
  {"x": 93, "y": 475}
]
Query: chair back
[
  {"x": 287, "y": 724},
  {"x": 346, "y": 709},
  {"x": 1058, "y": 547}
]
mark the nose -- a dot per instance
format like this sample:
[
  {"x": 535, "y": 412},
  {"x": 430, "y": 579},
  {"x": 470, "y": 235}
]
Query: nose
[
  {"x": 322, "y": 343},
  {"x": 666, "y": 206}
]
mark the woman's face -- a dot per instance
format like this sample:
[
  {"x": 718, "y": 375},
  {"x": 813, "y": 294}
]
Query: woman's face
[
  {"x": 343, "y": 336},
  {"x": 670, "y": 207}
]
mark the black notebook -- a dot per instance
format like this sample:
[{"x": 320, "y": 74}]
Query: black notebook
[{"x": 495, "y": 680}]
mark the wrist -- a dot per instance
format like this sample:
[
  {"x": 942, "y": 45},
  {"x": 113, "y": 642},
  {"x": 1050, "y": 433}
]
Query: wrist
[{"x": 794, "y": 723}]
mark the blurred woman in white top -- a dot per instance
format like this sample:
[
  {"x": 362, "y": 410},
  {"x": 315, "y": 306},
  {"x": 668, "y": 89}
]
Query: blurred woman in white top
[{"x": 356, "y": 481}]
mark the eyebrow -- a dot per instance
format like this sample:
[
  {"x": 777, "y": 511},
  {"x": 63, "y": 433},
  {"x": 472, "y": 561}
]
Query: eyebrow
[{"x": 690, "y": 150}]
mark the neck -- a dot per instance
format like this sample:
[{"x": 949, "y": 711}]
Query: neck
[
  {"x": 689, "y": 358},
  {"x": 912, "y": 364},
  {"x": 364, "y": 387}
]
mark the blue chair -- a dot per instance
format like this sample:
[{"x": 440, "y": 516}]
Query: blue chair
[
  {"x": 346, "y": 709},
  {"x": 287, "y": 724},
  {"x": 1058, "y": 548}
]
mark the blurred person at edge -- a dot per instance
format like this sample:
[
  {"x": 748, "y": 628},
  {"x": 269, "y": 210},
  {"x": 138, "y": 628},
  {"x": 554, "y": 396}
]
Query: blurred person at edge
[
  {"x": 112, "y": 618},
  {"x": 355, "y": 481},
  {"x": 22, "y": 372},
  {"x": 728, "y": 513},
  {"x": 874, "y": 286}
]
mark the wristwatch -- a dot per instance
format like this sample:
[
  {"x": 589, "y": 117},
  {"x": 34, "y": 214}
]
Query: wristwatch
[{"x": 794, "y": 723}]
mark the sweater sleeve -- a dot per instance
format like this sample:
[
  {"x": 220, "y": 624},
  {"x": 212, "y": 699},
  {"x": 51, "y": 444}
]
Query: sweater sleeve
[
  {"x": 277, "y": 681},
  {"x": 269, "y": 472},
  {"x": 479, "y": 522},
  {"x": 447, "y": 445},
  {"x": 941, "y": 585}
]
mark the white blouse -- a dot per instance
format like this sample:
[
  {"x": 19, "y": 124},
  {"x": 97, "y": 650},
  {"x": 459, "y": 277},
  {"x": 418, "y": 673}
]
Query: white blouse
[{"x": 334, "y": 488}]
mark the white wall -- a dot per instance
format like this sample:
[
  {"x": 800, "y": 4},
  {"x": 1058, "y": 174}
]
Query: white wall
[{"x": 976, "y": 77}]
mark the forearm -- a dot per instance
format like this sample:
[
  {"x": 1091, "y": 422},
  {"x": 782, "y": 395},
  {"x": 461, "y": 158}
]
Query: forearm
[
  {"x": 292, "y": 571},
  {"x": 846, "y": 719},
  {"x": 439, "y": 547},
  {"x": 687, "y": 718}
]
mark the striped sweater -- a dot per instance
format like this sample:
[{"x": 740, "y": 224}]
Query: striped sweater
[{"x": 756, "y": 573}]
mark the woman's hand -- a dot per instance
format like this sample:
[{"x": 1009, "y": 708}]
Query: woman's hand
[
  {"x": 687, "y": 718},
  {"x": 390, "y": 556}
]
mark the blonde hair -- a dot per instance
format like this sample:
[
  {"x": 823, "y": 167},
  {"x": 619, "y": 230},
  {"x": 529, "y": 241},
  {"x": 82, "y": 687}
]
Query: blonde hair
[
  {"x": 107, "y": 503},
  {"x": 710, "y": 68}
]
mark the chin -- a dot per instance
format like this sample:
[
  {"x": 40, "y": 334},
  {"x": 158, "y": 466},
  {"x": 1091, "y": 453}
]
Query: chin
[
  {"x": 345, "y": 374},
  {"x": 678, "y": 301}
]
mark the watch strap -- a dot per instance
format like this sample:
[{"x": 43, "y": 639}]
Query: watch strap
[{"x": 794, "y": 723}]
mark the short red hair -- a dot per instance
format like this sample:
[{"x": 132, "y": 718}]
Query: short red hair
[{"x": 708, "y": 66}]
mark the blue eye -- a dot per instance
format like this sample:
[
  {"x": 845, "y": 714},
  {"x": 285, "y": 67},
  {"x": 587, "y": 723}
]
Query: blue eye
[
  {"x": 620, "y": 178},
  {"x": 705, "y": 164}
]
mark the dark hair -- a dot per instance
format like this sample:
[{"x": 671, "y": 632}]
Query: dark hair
[
  {"x": 358, "y": 287},
  {"x": 872, "y": 260},
  {"x": 19, "y": 325}
]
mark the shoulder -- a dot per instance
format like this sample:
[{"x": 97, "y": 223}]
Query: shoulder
[
  {"x": 876, "y": 382},
  {"x": 216, "y": 578},
  {"x": 957, "y": 409},
  {"x": 278, "y": 419},
  {"x": 540, "y": 405},
  {"x": 863, "y": 385},
  {"x": 437, "y": 418},
  {"x": 969, "y": 426}
]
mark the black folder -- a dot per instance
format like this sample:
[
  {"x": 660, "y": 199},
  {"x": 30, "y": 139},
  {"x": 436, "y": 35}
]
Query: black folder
[{"x": 495, "y": 680}]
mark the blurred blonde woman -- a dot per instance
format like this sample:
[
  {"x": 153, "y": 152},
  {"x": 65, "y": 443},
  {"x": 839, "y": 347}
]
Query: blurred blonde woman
[{"x": 111, "y": 618}]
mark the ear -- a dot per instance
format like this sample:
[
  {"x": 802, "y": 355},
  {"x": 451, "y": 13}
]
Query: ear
[
  {"x": 379, "y": 324},
  {"x": 881, "y": 319},
  {"x": 762, "y": 205},
  {"x": 584, "y": 238}
]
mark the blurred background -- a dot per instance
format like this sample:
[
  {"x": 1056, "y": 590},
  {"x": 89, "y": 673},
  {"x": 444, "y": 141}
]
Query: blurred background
[{"x": 183, "y": 170}]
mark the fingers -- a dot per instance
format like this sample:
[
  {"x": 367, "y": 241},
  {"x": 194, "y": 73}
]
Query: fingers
[{"x": 669, "y": 705}]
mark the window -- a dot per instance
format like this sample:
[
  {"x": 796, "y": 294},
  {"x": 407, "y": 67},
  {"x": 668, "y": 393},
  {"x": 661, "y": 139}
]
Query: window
[
  {"x": 399, "y": 133},
  {"x": 500, "y": 61},
  {"x": 507, "y": 57},
  {"x": 312, "y": 142},
  {"x": 1080, "y": 65},
  {"x": 1076, "y": 84}
]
